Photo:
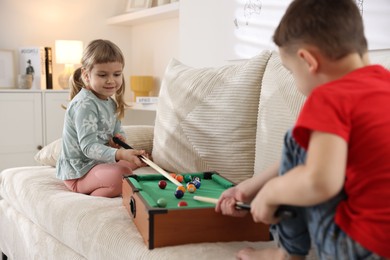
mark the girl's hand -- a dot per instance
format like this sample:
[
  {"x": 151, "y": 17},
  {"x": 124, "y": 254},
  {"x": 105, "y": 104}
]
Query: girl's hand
[
  {"x": 227, "y": 202},
  {"x": 114, "y": 145},
  {"x": 131, "y": 156},
  {"x": 149, "y": 156}
]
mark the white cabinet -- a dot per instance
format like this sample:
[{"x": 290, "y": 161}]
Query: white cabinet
[
  {"x": 54, "y": 113},
  {"x": 21, "y": 128},
  {"x": 29, "y": 120}
]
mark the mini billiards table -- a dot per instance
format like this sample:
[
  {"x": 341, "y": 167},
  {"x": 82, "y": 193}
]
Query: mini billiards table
[{"x": 195, "y": 223}]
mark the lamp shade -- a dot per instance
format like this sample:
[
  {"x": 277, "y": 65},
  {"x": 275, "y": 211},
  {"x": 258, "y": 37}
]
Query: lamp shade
[
  {"x": 68, "y": 52},
  {"x": 141, "y": 85}
]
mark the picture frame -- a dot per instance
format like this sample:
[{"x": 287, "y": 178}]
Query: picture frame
[
  {"x": 7, "y": 69},
  {"x": 136, "y": 5}
]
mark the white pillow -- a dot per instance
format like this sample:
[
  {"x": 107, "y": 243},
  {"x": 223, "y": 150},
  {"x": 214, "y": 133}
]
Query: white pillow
[
  {"x": 206, "y": 118},
  {"x": 49, "y": 154}
]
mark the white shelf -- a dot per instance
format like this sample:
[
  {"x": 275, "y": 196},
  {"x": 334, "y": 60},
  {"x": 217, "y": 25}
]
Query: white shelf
[
  {"x": 144, "y": 107},
  {"x": 146, "y": 15},
  {"x": 140, "y": 114},
  {"x": 20, "y": 90}
]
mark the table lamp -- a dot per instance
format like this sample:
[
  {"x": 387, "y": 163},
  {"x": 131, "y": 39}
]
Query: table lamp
[
  {"x": 141, "y": 85},
  {"x": 67, "y": 53}
]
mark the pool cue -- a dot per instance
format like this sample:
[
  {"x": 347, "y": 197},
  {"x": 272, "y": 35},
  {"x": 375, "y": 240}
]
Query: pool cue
[
  {"x": 160, "y": 170},
  {"x": 148, "y": 162},
  {"x": 282, "y": 211},
  {"x": 239, "y": 205}
]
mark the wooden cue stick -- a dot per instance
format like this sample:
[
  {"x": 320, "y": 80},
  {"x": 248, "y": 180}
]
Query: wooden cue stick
[
  {"x": 240, "y": 205},
  {"x": 206, "y": 199},
  {"x": 281, "y": 212},
  {"x": 148, "y": 162},
  {"x": 160, "y": 170}
]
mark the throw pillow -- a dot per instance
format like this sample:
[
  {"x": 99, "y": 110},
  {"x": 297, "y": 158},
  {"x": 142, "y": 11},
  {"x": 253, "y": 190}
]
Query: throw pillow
[
  {"x": 206, "y": 118},
  {"x": 49, "y": 154},
  {"x": 280, "y": 103}
]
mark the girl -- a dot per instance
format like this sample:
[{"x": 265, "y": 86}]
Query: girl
[{"x": 90, "y": 162}]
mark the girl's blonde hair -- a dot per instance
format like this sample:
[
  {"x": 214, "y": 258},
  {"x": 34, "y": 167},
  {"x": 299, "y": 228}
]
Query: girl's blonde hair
[{"x": 97, "y": 52}]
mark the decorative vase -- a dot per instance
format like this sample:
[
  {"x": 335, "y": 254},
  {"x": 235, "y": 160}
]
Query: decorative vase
[{"x": 141, "y": 85}]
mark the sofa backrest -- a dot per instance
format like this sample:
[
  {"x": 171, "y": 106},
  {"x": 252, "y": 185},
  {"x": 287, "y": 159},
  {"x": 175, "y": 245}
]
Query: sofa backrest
[{"x": 280, "y": 103}]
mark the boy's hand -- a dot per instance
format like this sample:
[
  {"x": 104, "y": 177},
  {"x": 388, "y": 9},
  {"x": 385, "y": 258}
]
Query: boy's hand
[
  {"x": 227, "y": 202},
  {"x": 262, "y": 211}
]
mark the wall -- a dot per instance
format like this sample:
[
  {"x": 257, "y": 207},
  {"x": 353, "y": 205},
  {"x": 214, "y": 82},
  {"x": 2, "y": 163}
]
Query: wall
[
  {"x": 153, "y": 45},
  {"x": 41, "y": 22},
  {"x": 213, "y": 32}
]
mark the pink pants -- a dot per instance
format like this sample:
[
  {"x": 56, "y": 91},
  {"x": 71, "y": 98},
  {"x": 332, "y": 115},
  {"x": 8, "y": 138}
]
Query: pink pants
[{"x": 104, "y": 180}]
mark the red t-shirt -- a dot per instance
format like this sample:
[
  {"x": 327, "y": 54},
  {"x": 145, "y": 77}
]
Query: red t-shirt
[{"x": 357, "y": 108}]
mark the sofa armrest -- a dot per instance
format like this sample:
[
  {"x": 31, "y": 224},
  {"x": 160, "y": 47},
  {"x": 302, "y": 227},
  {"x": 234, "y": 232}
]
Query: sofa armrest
[{"x": 140, "y": 137}]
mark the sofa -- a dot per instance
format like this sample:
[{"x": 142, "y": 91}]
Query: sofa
[{"x": 229, "y": 119}]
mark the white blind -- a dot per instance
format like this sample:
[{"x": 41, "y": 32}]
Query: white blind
[{"x": 215, "y": 31}]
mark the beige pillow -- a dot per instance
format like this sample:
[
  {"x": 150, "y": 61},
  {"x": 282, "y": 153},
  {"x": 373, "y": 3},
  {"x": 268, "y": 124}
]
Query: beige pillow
[
  {"x": 139, "y": 137},
  {"x": 206, "y": 118},
  {"x": 280, "y": 103},
  {"x": 49, "y": 154}
]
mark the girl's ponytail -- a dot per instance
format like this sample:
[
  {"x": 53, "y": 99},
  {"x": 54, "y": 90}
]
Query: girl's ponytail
[{"x": 76, "y": 83}]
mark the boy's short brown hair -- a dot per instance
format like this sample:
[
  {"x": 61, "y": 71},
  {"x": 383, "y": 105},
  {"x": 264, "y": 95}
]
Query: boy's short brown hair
[{"x": 335, "y": 27}]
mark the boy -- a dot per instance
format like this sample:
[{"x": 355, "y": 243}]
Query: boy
[{"x": 335, "y": 167}]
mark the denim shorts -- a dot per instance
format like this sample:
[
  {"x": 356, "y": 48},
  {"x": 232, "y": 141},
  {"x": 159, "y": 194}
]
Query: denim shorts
[{"x": 314, "y": 226}]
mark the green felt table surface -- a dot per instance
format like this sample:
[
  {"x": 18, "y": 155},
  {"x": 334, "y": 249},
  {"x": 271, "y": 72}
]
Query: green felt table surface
[{"x": 147, "y": 186}]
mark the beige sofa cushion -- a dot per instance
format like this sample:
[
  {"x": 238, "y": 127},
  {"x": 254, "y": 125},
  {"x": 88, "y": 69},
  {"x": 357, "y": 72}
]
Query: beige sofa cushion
[
  {"x": 139, "y": 137},
  {"x": 49, "y": 217},
  {"x": 280, "y": 103},
  {"x": 206, "y": 118}
]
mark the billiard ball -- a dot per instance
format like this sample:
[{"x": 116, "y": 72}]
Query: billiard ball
[
  {"x": 191, "y": 188},
  {"x": 181, "y": 188},
  {"x": 162, "y": 184},
  {"x": 187, "y": 178},
  {"x": 179, "y": 194},
  {"x": 179, "y": 177},
  {"x": 173, "y": 175},
  {"x": 162, "y": 203},
  {"x": 182, "y": 204},
  {"x": 196, "y": 179},
  {"x": 196, "y": 183}
]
